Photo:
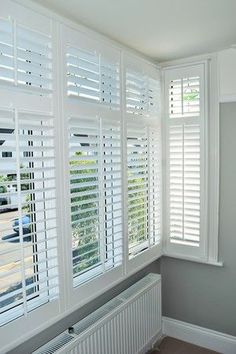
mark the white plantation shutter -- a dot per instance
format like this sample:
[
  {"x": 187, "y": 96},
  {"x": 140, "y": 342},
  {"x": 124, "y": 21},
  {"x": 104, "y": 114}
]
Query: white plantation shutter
[
  {"x": 92, "y": 75},
  {"x": 6, "y": 51},
  {"x": 137, "y": 162},
  {"x": 142, "y": 94},
  {"x": 34, "y": 60},
  {"x": 83, "y": 74},
  {"x": 144, "y": 191},
  {"x": 155, "y": 185},
  {"x": 143, "y": 134},
  {"x": 185, "y": 127},
  {"x": 29, "y": 279},
  {"x": 95, "y": 194},
  {"x": 184, "y": 97},
  {"x": 94, "y": 182},
  {"x": 25, "y": 57},
  {"x": 28, "y": 268}
]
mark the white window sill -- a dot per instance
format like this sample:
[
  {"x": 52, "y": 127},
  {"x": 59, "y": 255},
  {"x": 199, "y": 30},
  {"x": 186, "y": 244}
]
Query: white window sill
[{"x": 193, "y": 259}]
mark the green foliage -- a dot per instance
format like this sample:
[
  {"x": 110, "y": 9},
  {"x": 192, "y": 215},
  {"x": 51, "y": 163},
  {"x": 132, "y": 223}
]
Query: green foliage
[
  {"x": 85, "y": 233},
  {"x": 191, "y": 96},
  {"x": 3, "y": 188},
  {"x": 136, "y": 230}
]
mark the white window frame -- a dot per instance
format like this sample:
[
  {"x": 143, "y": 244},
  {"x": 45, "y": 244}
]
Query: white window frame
[{"x": 209, "y": 252}]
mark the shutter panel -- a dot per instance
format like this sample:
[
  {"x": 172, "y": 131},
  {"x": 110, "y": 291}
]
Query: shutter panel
[
  {"x": 95, "y": 185},
  {"x": 144, "y": 186},
  {"x": 112, "y": 192},
  {"x": 185, "y": 160},
  {"x": 25, "y": 58},
  {"x": 142, "y": 94},
  {"x": 34, "y": 60},
  {"x": 185, "y": 183},
  {"x": 137, "y": 158},
  {"x": 28, "y": 268},
  {"x": 92, "y": 77},
  {"x": 28, "y": 217},
  {"x": 143, "y": 135},
  {"x": 184, "y": 99}
]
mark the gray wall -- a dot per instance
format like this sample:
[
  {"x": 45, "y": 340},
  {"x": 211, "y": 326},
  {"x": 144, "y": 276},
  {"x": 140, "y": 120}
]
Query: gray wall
[
  {"x": 59, "y": 327},
  {"x": 201, "y": 294}
]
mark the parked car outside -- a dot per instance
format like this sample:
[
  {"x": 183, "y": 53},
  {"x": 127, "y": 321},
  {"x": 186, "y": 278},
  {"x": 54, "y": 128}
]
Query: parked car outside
[{"x": 26, "y": 223}]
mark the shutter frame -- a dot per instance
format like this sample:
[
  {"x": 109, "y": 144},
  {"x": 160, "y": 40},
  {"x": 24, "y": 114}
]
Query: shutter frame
[{"x": 186, "y": 121}]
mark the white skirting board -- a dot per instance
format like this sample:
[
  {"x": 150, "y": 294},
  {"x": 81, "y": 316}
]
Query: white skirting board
[
  {"x": 227, "y": 98},
  {"x": 220, "y": 342}
]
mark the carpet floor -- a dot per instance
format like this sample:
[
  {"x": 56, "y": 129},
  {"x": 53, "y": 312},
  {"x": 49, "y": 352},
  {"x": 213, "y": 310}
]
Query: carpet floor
[{"x": 174, "y": 346}]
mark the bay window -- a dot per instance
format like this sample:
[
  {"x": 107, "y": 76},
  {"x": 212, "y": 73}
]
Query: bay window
[{"x": 81, "y": 184}]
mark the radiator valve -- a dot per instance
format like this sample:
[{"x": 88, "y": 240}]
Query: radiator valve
[{"x": 71, "y": 330}]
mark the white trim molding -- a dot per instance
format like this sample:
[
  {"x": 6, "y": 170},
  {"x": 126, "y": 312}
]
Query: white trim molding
[
  {"x": 203, "y": 337},
  {"x": 227, "y": 98},
  {"x": 192, "y": 259}
]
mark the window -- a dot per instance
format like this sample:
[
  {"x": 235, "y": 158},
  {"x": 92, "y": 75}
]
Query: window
[
  {"x": 80, "y": 168},
  {"x": 187, "y": 146},
  {"x": 29, "y": 280},
  {"x": 95, "y": 190},
  {"x": 104, "y": 130},
  {"x": 185, "y": 160},
  {"x": 143, "y": 156},
  {"x": 27, "y": 212},
  {"x": 94, "y": 160},
  {"x": 27, "y": 200},
  {"x": 143, "y": 187}
]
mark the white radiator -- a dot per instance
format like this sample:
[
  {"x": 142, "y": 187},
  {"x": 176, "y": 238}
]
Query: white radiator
[{"x": 128, "y": 324}]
